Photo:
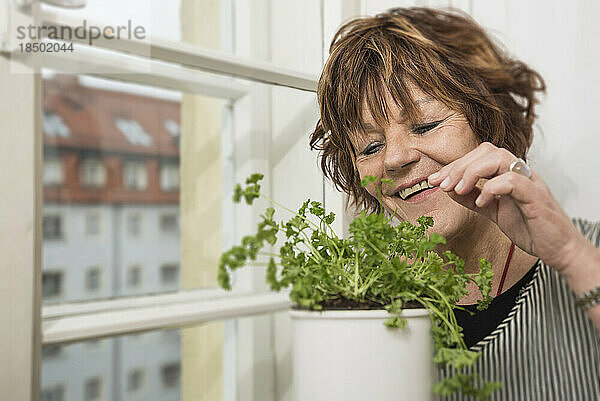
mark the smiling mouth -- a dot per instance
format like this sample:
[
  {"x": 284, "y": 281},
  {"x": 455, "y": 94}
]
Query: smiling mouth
[{"x": 419, "y": 187}]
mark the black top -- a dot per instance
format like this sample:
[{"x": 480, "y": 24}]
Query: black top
[{"x": 482, "y": 323}]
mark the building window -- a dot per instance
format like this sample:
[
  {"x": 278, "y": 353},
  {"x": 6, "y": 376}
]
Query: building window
[
  {"x": 134, "y": 224},
  {"x": 93, "y": 389},
  {"x": 171, "y": 335},
  {"x": 52, "y": 227},
  {"x": 168, "y": 223},
  {"x": 93, "y": 173},
  {"x": 92, "y": 279},
  {"x": 169, "y": 177},
  {"x": 170, "y": 374},
  {"x": 133, "y": 131},
  {"x": 134, "y": 276},
  {"x": 92, "y": 224},
  {"x": 169, "y": 274},
  {"x": 52, "y": 284},
  {"x": 135, "y": 380},
  {"x": 53, "y": 125},
  {"x": 93, "y": 344},
  {"x": 53, "y": 394},
  {"x": 51, "y": 351},
  {"x": 135, "y": 175},
  {"x": 173, "y": 127},
  {"x": 53, "y": 172}
]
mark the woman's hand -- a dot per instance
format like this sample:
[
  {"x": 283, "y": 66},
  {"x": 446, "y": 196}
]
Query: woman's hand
[{"x": 523, "y": 208}]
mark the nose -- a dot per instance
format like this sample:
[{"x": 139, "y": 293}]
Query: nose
[{"x": 398, "y": 154}]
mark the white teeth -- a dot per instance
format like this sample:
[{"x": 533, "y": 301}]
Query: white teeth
[{"x": 406, "y": 192}]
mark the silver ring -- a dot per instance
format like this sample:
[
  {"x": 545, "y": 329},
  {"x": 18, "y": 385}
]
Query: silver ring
[{"x": 520, "y": 167}]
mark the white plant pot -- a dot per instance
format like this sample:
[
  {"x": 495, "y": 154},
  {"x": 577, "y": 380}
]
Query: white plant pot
[{"x": 349, "y": 355}]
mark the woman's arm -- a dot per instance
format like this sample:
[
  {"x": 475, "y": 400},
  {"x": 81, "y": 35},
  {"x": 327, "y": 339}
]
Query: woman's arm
[
  {"x": 526, "y": 211},
  {"x": 583, "y": 274}
]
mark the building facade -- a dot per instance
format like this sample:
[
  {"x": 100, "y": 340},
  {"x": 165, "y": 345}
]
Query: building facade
[{"x": 111, "y": 229}]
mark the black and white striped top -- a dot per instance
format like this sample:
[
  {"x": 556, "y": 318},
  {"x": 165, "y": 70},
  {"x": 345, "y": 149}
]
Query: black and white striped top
[{"x": 546, "y": 348}]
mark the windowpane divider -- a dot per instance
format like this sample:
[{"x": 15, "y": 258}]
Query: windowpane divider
[
  {"x": 73, "y": 322},
  {"x": 112, "y": 65},
  {"x": 196, "y": 57}
]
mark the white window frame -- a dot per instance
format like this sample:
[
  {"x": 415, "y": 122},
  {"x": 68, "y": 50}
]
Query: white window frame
[
  {"x": 128, "y": 285},
  {"x": 61, "y": 233},
  {"x": 135, "y": 215},
  {"x": 60, "y": 295},
  {"x": 169, "y": 176},
  {"x": 95, "y": 180},
  {"x": 87, "y": 381},
  {"x": 90, "y": 270},
  {"x": 177, "y": 66},
  {"x": 135, "y": 175},
  {"x": 52, "y": 165},
  {"x": 90, "y": 217}
]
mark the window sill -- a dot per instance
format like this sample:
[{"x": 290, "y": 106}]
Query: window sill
[{"x": 90, "y": 320}]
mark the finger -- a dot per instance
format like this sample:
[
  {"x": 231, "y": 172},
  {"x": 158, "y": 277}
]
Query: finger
[
  {"x": 486, "y": 165},
  {"x": 457, "y": 165},
  {"x": 485, "y": 161},
  {"x": 519, "y": 187},
  {"x": 468, "y": 201}
]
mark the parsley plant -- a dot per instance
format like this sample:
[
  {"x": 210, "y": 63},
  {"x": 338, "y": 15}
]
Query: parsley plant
[{"x": 378, "y": 264}]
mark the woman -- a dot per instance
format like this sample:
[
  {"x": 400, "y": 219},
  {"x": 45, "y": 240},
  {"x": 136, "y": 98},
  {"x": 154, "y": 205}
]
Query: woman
[{"x": 424, "y": 98}]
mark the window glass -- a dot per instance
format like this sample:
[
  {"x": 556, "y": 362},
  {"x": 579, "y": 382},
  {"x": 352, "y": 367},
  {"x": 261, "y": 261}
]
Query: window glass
[
  {"x": 52, "y": 284},
  {"x": 92, "y": 279},
  {"x": 168, "y": 223},
  {"x": 134, "y": 277},
  {"x": 52, "y": 227},
  {"x": 169, "y": 176},
  {"x": 135, "y": 175},
  {"x": 137, "y": 156},
  {"x": 53, "y": 174},
  {"x": 170, "y": 373},
  {"x": 144, "y": 367},
  {"x": 159, "y": 19},
  {"x": 51, "y": 351},
  {"x": 92, "y": 173},
  {"x": 169, "y": 274},
  {"x": 135, "y": 380},
  {"x": 93, "y": 389},
  {"x": 92, "y": 223},
  {"x": 134, "y": 224},
  {"x": 56, "y": 393},
  {"x": 113, "y": 226}
]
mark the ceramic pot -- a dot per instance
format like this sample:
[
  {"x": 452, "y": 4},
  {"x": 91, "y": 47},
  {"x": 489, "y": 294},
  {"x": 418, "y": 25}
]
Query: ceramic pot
[{"x": 350, "y": 355}]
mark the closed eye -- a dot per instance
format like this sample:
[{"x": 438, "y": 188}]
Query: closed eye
[
  {"x": 371, "y": 148},
  {"x": 423, "y": 128}
]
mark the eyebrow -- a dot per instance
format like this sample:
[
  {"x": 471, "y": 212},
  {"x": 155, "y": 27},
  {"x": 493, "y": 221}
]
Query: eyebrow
[{"x": 371, "y": 127}]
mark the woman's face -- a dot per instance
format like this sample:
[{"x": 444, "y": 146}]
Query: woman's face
[{"x": 407, "y": 155}]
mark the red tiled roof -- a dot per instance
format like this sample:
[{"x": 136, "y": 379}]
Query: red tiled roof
[{"x": 90, "y": 115}]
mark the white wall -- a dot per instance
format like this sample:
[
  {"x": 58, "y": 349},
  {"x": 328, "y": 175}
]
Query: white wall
[{"x": 557, "y": 38}]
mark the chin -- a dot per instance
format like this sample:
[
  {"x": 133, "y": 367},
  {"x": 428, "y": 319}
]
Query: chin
[{"x": 450, "y": 221}]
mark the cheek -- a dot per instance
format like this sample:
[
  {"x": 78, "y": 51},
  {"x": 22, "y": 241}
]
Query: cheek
[
  {"x": 455, "y": 142},
  {"x": 369, "y": 167}
]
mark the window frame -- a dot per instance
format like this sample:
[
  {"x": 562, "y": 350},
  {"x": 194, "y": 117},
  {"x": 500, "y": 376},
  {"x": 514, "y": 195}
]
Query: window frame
[
  {"x": 88, "y": 272},
  {"x": 92, "y": 181},
  {"x": 135, "y": 175},
  {"x": 50, "y": 163},
  {"x": 61, "y": 274},
  {"x": 56, "y": 236},
  {"x": 186, "y": 71}
]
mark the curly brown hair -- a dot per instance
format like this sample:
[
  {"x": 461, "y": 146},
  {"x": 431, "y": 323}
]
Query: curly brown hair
[{"x": 447, "y": 55}]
